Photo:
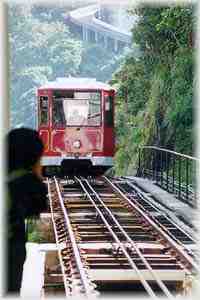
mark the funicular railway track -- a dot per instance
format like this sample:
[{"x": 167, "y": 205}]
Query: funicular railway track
[
  {"x": 168, "y": 225},
  {"x": 102, "y": 226}
]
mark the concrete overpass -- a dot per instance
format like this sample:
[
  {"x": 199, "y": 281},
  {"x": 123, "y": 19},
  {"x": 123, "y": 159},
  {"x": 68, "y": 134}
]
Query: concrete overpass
[{"x": 95, "y": 30}]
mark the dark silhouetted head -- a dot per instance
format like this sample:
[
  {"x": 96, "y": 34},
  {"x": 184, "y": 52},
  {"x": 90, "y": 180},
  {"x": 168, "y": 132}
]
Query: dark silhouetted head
[{"x": 24, "y": 148}]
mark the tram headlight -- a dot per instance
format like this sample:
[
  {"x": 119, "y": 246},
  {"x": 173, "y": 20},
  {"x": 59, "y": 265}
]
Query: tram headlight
[{"x": 77, "y": 144}]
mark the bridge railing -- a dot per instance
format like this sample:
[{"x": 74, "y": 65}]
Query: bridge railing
[{"x": 172, "y": 171}]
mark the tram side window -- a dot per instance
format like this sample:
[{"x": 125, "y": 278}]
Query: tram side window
[
  {"x": 58, "y": 112},
  {"x": 43, "y": 112},
  {"x": 109, "y": 111},
  {"x": 94, "y": 116}
]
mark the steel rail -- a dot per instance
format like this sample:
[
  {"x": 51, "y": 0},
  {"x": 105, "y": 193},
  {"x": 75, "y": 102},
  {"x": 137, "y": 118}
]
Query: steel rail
[
  {"x": 65, "y": 280},
  {"x": 145, "y": 198},
  {"x": 133, "y": 244},
  {"x": 84, "y": 279},
  {"x": 158, "y": 229},
  {"x": 130, "y": 260}
]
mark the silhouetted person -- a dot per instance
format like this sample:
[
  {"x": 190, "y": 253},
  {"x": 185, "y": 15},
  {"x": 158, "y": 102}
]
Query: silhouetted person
[{"x": 26, "y": 197}]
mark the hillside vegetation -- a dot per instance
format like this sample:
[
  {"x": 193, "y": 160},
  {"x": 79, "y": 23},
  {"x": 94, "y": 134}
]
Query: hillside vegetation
[
  {"x": 155, "y": 89},
  {"x": 42, "y": 48},
  {"x": 155, "y": 84}
]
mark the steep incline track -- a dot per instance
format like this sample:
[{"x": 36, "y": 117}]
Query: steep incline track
[{"x": 100, "y": 226}]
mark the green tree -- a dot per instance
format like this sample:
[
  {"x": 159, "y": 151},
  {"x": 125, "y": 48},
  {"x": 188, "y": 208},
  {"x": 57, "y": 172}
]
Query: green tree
[
  {"x": 155, "y": 89},
  {"x": 39, "y": 51},
  {"x": 98, "y": 62}
]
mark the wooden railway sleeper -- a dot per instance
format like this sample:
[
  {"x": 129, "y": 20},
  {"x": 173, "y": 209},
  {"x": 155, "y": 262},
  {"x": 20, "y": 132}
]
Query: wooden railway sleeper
[
  {"x": 73, "y": 261},
  {"x": 170, "y": 243},
  {"x": 164, "y": 242},
  {"x": 69, "y": 266},
  {"x": 128, "y": 249},
  {"x": 144, "y": 282}
]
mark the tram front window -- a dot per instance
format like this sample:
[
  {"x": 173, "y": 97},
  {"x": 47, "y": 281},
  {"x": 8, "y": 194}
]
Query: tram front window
[{"x": 77, "y": 109}]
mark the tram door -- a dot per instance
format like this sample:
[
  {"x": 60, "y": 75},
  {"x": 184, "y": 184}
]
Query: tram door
[{"x": 44, "y": 120}]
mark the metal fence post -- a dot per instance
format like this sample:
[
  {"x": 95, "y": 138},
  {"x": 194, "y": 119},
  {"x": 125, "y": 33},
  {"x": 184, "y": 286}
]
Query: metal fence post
[
  {"x": 173, "y": 173},
  {"x": 161, "y": 161},
  {"x": 139, "y": 167},
  {"x": 171, "y": 170},
  {"x": 187, "y": 178},
  {"x": 167, "y": 171},
  {"x": 179, "y": 178}
]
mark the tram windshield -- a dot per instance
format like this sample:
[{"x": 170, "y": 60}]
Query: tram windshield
[{"x": 77, "y": 108}]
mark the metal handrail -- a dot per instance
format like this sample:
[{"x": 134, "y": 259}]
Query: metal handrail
[
  {"x": 172, "y": 171},
  {"x": 170, "y": 151}
]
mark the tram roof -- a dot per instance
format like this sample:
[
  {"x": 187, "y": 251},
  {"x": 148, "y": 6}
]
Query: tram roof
[{"x": 76, "y": 83}]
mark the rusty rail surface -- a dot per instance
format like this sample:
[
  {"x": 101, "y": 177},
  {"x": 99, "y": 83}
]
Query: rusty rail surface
[
  {"x": 74, "y": 269},
  {"x": 100, "y": 227}
]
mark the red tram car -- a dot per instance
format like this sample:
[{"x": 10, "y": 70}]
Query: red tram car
[{"x": 76, "y": 124}]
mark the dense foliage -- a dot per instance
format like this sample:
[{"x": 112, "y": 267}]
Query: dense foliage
[
  {"x": 42, "y": 48},
  {"x": 40, "y": 51},
  {"x": 155, "y": 84},
  {"x": 155, "y": 89}
]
